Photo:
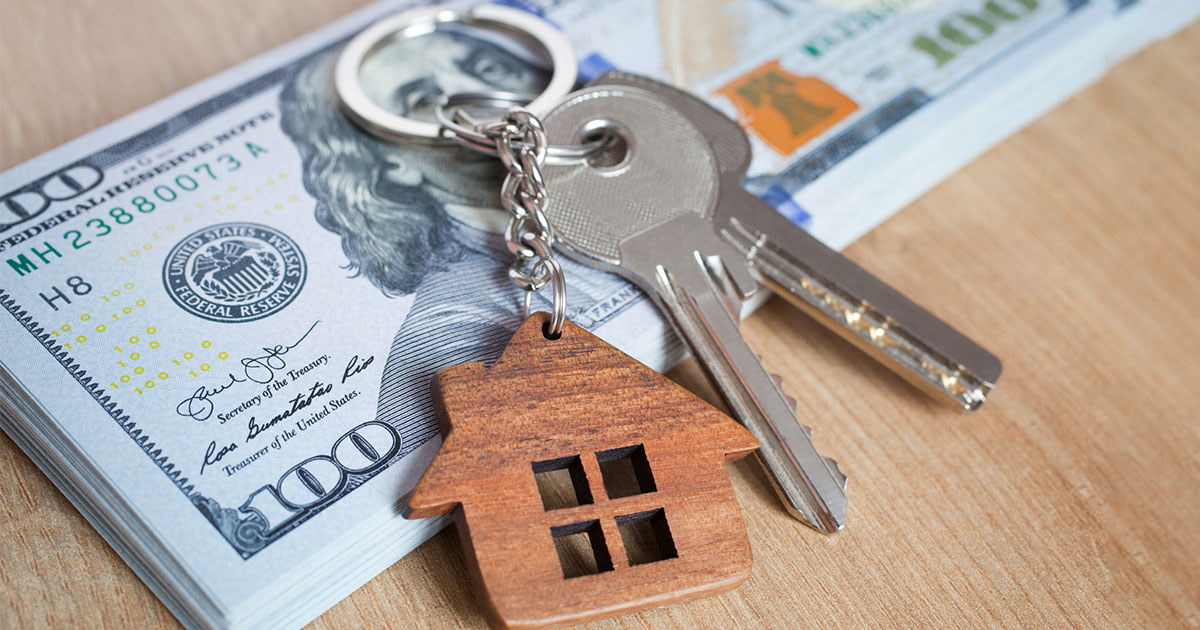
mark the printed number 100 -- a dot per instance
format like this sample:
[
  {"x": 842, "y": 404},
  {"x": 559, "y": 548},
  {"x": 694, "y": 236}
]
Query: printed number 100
[
  {"x": 363, "y": 449},
  {"x": 963, "y": 30}
]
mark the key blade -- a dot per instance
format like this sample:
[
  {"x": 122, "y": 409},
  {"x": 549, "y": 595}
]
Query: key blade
[
  {"x": 888, "y": 326},
  {"x": 858, "y": 306},
  {"x": 812, "y": 488},
  {"x": 816, "y": 495},
  {"x": 654, "y": 206}
]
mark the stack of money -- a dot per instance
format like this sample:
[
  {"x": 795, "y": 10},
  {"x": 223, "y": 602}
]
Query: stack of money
[{"x": 223, "y": 311}]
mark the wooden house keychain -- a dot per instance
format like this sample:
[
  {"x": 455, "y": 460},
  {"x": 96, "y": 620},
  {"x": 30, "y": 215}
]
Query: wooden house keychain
[
  {"x": 649, "y": 506},
  {"x": 644, "y": 514}
]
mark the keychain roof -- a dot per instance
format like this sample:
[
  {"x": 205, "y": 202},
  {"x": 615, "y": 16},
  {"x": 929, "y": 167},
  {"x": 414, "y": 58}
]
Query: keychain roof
[{"x": 646, "y": 515}]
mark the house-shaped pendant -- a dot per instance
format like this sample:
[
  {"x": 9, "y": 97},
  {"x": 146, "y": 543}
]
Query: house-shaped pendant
[{"x": 648, "y": 516}]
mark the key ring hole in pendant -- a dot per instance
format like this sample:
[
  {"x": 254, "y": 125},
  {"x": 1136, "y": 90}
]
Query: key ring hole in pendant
[
  {"x": 549, "y": 334},
  {"x": 616, "y": 145}
]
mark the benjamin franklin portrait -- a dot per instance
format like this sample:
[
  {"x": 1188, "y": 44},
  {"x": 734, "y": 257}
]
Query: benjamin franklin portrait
[{"x": 422, "y": 220}]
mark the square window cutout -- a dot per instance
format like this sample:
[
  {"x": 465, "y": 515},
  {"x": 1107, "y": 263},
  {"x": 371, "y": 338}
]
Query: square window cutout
[
  {"x": 647, "y": 537},
  {"x": 581, "y": 549},
  {"x": 562, "y": 483},
  {"x": 626, "y": 471}
]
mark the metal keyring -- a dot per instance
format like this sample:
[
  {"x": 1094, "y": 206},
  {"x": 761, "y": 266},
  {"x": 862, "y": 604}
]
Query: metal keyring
[
  {"x": 521, "y": 25},
  {"x": 478, "y": 137},
  {"x": 558, "y": 285}
]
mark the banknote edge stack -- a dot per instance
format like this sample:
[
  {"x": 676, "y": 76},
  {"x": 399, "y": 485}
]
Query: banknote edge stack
[{"x": 379, "y": 544}]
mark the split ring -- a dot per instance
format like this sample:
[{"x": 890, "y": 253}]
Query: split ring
[{"x": 525, "y": 27}]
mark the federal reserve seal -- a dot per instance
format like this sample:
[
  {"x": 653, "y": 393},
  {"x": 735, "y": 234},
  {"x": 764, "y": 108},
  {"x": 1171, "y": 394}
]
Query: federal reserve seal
[{"x": 234, "y": 272}]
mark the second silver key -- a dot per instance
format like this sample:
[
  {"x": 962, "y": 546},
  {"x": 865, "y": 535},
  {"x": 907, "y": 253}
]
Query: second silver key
[
  {"x": 644, "y": 211},
  {"x": 845, "y": 297}
]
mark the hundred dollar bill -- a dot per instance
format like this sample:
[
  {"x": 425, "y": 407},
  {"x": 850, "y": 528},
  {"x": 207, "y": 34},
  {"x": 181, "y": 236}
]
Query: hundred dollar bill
[
  {"x": 222, "y": 312},
  {"x": 856, "y": 107},
  {"x": 222, "y": 315}
]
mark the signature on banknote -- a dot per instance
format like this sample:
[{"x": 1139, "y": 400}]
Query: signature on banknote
[{"x": 260, "y": 368}]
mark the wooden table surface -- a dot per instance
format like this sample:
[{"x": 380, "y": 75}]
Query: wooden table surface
[{"x": 1071, "y": 250}]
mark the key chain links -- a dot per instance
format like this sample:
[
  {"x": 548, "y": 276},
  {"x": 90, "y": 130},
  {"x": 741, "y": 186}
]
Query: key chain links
[
  {"x": 522, "y": 147},
  {"x": 520, "y": 141}
]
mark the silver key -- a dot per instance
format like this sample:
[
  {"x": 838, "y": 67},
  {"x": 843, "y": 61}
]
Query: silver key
[
  {"x": 845, "y": 297},
  {"x": 647, "y": 215}
]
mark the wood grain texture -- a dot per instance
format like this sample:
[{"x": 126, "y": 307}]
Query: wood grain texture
[
  {"x": 1072, "y": 251},
  {"x": 638, "y": 448}
]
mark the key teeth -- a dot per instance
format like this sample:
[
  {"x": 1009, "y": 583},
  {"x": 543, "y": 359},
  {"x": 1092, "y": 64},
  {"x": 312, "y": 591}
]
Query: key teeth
[
  {"x": 830, "y": 462},
  {"x": 837, "y": 473},
  {"x": 791, "y": 401},
  {"x": 776, "y": 379}
]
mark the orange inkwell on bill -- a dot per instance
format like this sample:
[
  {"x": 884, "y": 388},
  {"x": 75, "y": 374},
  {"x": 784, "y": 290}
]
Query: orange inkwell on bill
[{"x": 786, "y": 110}]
